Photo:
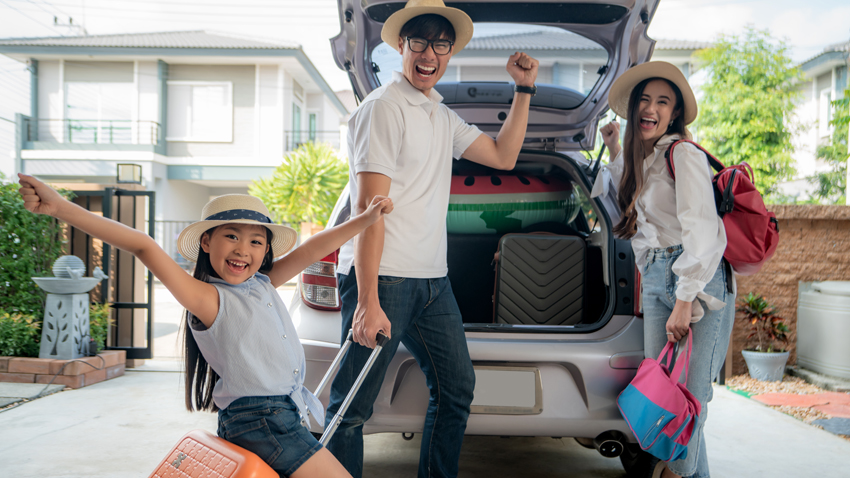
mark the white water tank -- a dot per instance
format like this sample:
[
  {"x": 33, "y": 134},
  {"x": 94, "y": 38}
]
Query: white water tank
[{"x": 823, "y": 328}]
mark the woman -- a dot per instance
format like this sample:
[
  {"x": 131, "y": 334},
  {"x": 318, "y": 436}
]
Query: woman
[{"x": 677, "y": 236}]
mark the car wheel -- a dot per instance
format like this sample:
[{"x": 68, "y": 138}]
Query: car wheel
[{"x": 637, "y": 463}]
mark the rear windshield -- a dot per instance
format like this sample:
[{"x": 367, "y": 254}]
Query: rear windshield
[{"x": 567, "y": 60}]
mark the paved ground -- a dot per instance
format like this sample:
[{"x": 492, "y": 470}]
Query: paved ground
[{"x": 125, "y": 426}]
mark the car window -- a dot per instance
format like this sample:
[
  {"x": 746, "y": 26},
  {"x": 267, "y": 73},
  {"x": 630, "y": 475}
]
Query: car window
[{"x": 567, "y": 60}]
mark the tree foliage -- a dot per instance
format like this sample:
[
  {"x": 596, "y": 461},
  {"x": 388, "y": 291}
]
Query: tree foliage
[
  {"x": 747, "y": 103},
  {"x": 305, "y": 187},
  {"x": 831, "y": 186}
]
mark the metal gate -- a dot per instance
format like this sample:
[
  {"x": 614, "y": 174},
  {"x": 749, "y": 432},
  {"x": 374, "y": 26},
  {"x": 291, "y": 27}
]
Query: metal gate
[{"x": 129, "y": 285}]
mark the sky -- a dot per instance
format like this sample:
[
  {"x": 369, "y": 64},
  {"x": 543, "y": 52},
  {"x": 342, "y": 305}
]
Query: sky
[{"x": 806, "y": 25}]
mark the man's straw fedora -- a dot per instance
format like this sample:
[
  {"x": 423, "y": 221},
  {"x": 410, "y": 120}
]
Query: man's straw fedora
[{"x": 459, "y": 20}]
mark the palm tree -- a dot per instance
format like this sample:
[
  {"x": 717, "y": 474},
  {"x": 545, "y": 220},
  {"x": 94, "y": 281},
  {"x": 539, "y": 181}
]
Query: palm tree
[{"x": 305, "y": 187}]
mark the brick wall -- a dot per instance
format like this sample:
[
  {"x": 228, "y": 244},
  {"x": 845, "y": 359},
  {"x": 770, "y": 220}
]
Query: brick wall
[{"x": 814, "y": 245}]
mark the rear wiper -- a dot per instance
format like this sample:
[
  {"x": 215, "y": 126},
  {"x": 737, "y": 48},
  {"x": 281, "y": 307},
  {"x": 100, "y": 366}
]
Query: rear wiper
[{"x": 595, "y": 169}]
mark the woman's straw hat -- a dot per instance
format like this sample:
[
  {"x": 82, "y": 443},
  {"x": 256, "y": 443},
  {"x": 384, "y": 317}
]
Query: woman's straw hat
[
  {"x": 459, "y": 20},
  {"x": 618, "y": 97},
  {"x": 234, "y": 208}
]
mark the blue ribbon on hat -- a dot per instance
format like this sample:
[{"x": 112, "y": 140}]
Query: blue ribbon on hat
[{"x": 233, "y": 214}]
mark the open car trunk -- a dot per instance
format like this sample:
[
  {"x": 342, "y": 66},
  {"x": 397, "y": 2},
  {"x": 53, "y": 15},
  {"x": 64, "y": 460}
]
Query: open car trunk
[{"x": 551, "y": 267}]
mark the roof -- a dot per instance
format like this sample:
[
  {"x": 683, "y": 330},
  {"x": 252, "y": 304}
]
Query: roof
[
  {"x": 347, "y": 99},
  {"x": 835, "y": 52},
  {"x": 561, "y": 40},
  {"x": 190, "y": 39}
]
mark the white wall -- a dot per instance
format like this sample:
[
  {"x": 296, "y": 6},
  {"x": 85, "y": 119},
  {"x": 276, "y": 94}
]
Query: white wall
[
  {"x": 147, "y": 109},
  {"x": 15, "y": 99},
  {"x": 269, "y": 135},
  {"x": 51, "y": 100}
]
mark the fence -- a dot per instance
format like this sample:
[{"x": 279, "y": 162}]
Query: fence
[
  {"x": 294, "y": 139},
  {"x": 166, "y": 236},
  {"x": 93, "y": 131}
]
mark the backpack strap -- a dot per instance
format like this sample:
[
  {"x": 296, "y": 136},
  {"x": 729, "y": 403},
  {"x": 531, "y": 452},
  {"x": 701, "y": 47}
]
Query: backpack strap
[{"x": 671, "y": 168}]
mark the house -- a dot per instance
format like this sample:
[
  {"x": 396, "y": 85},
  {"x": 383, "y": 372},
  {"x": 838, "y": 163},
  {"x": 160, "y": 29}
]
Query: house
[
  {"x": 825, "y": 79},
  {"x": 194, "y": 114}
]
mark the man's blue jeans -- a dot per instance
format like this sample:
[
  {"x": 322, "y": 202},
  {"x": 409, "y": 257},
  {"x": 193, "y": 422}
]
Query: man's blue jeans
[
  {"x": 711, "y": 339},
  {"x": 425, "y": 318}
]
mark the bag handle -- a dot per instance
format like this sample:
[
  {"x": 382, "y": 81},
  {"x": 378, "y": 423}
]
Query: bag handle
[
  {"x": 666, "y": 357},
  {"x": 684, "y": 364},
  {"x": 671, "y": 168}
]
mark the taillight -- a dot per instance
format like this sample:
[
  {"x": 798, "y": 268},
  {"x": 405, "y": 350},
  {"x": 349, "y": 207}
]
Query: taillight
[
  {"x": 638, "y": 296},
  {"x": 318, "y": 284}
]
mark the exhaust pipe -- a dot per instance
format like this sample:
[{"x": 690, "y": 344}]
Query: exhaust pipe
[{"x": 610, "y": 444}]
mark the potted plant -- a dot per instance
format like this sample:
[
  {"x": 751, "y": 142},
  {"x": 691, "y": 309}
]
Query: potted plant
[{"x": 765, "y": 361}]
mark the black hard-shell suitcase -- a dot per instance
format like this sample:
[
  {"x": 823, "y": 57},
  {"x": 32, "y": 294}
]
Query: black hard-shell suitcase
[{"x": 540, "y": 279}]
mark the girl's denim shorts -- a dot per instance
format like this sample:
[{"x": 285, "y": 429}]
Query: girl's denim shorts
[{"x": 271, "y": 428}]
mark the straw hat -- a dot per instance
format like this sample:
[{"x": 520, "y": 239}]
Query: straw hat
[
  {"x": 234, "y": 208},
  {"x": 459, "y": 20},
  {"x": 618, "y": 97}
]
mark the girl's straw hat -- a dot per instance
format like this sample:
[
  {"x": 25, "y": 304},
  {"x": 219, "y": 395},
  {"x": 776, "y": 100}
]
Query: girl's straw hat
[
  {"x": 459, "y": 20},
  {"x": 234, "y": 208},
  {"x": 618, "y": 97}
]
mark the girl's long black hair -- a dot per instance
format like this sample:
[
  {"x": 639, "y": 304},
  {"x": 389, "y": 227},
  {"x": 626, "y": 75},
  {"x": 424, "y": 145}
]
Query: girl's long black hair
[{"x": 200, "y": 377}]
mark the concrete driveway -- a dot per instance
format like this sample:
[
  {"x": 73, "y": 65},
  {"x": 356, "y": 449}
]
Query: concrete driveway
[{"x": 124, "y": 427}]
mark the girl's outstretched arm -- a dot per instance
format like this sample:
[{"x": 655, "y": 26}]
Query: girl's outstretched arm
[
  {"x": 327, "y": 241},
  {"x": 193, "y": 294}
]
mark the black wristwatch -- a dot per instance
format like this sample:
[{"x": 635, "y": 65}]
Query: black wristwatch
[{"x": 531, "y": 90}]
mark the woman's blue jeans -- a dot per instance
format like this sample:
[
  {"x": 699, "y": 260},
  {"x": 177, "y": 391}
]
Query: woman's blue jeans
[
  {"x": 710, "y": 341},
  {"x": 425, "y": 318}
]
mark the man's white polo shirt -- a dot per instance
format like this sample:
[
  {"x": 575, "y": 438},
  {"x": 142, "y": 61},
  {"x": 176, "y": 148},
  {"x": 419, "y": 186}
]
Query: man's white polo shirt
[{"x": 399, "y": 132}]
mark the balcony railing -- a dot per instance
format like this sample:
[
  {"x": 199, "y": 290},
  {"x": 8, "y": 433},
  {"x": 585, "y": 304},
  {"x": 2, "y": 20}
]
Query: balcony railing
[
  {"x": 294, "y": 139},
  {"x": 93, "y": 131}
]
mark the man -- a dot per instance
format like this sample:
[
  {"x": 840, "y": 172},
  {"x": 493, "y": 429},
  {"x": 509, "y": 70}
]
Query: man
[{"x": 392, "y": 277}]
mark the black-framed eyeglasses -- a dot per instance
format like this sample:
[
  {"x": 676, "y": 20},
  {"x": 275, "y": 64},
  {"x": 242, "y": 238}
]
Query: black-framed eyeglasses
[{"x": 418, "y": 45}]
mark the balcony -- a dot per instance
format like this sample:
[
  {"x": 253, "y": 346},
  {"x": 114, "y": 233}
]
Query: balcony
[
  {"x": 91, "y": 134},
  {"x": 294, "y": 139}
]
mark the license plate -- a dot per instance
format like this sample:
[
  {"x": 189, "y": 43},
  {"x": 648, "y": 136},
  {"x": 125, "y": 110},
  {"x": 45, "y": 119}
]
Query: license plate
[{"x": 507, "y": 390}]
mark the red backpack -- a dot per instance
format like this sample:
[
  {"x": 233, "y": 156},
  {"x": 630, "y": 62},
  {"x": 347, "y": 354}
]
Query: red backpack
[{"x": 752, "y": 232}]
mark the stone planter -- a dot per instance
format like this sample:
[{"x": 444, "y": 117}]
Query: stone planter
[{"x": 767, "y": 366}]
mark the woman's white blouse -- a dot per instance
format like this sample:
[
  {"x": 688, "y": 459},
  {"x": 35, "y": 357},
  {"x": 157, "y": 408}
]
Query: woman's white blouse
[{"x": 671, "y": 213}]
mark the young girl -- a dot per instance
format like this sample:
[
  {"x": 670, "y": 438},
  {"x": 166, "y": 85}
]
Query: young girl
[
  {"x": 243, "y": 356},
  {"x": 677, "y": 237}
]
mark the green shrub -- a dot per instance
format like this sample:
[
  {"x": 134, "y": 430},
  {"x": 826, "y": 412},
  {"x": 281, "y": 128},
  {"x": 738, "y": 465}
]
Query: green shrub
[
  {"x": 29, "y": 244},
  {"x": 19, "y": 335},
  {"x": 305, "y": 187},
  {"x": 99, "y": 321}
]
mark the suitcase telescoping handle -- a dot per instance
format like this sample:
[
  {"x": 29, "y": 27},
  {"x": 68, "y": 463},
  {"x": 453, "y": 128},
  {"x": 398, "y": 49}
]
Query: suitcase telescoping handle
[{"x": 337, "y": 419}]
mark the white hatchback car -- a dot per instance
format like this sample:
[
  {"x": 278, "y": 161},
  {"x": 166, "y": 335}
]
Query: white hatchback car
[{"x": 558, "y": 376}]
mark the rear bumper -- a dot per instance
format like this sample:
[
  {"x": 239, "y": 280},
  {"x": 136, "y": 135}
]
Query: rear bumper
[{"x": 581, "y": 377}]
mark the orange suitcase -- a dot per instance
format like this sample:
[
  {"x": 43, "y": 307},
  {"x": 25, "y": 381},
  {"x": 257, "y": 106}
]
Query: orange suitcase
[{"x": 200, "y": 454}]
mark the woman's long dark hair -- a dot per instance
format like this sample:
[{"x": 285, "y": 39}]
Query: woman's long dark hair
[
  {"x": 200, "y": 377},
  {"x": 632, "y": 181}
]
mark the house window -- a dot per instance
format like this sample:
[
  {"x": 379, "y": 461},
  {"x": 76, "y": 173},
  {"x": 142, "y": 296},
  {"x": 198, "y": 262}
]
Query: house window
[
  {"x": 297, "y": 90},
  {"x": 825, "y": 114},
  {"x": 99, "y": 113},
  {"x": 311, "y": 128},
  {"x": 296, "y": 125},
  {"x": 200, "y": 111}
]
